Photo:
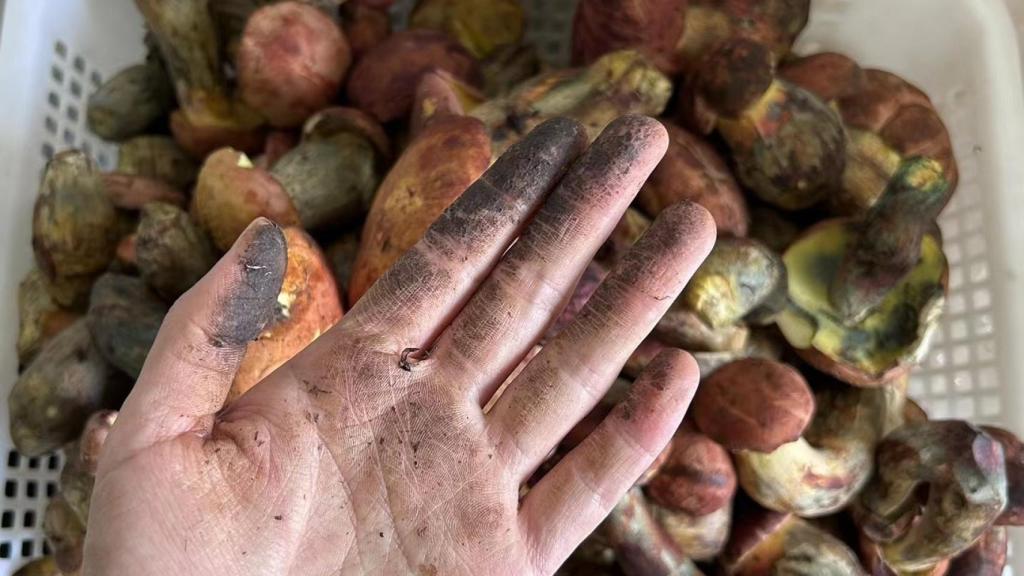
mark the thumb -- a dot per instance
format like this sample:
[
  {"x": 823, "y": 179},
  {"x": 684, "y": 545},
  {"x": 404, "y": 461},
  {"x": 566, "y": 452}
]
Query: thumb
[{"x": 202, "y": 341}]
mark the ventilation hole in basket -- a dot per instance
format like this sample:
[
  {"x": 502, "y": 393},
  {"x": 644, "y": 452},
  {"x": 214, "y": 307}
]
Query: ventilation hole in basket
[
  {"x": 983, "y": 325},
  {"x": 57, "y": 74},
  {"x": 938, "y": 385},
  {"x": 31, "y": 489},
  {"x": 985, "y": 351},
  {"x": 47, "y": 151},
  {"x": 46, "y": 548},
  {"x": 10, "y": 488},
  {"x": 72, "y": 113},
  {"x": 69, "y": 137},
  {"x": 51, "y": 489},
  {"x": 990, "y": 406},
  {"x": 76, "y": 89},
  {"x": 988, "y": 378},
  {"x": 79, "y": 64},
  {"x": 33, "y": 463},
  {"x": 28, "y": 547},
  {"x": 96, "y": 79},
  {"x": 54, "y": 100},
  {"x": 50, "y": 124},
  {"x": 5, "y": 550},
  {"x": 13, "y": 459},
  {"x": 958, "y": 329},
  {"x": 52, "y": 462},
  {"x": 61, "y": 49},
  {"x": 29, "y": 519},
  {"x": 7, "y": 519}
]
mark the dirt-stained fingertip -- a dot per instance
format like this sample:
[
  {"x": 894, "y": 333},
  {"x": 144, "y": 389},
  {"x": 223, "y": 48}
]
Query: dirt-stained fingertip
[
  {"x": 262, "y": 257},
  {"x": 539, "y": 158}
]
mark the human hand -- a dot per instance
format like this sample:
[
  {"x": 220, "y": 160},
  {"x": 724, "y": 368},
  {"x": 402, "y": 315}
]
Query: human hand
[{"x": 360, "y": 456}]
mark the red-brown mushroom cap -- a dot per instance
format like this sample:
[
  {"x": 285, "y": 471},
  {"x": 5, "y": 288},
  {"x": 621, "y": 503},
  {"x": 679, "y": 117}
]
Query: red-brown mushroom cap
[{"x": 754, "y": 404}]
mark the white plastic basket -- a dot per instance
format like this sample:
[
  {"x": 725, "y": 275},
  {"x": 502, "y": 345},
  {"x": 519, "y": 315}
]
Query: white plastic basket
[{"x": 964, "y": 53}]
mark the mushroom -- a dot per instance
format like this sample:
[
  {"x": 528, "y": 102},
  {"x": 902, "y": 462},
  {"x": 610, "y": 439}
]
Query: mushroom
[
  {"x": 130, "y": 101},
  {"x": 888, "y": 121},
  {"x": 654, "y": 27},
  {"x": 171, "y": 252},
  {"x": 39, "y": 317},
  {"x": 365, "y": 26},
  {"x": 618, "y": 83},
  {"x": 788, "y": 145},
  {"x": 209, "y": 117},
  {"x": 124, "y": 317},
  {"x": 481, "y": 26},
  {"x": 66, "y": 382},
  {"x": 75, "y": 227},
  {"x": 766, "y": 543},
  {"x": 307, "y": 306},
  {"x": 865, "y": 295},
  {"x": 737, "y": 277},
  {"x": 693, "y": 170},
  {"x": 938, "y": 487},
  {"x": 291, "y": 62},
  {"x": 327, "y": 179},
  {"x": 341, "y": 255},
  {"x": 508, "y": 67},
  {"x": 785, "y": 460},
  {"x": 383, "y": 82},
  {"x": 449, "y": 153},
  {"x": 45, "y": 566},
  {"x": 774, "y": 23},
  {"x": 1013, "y": 450},
  {"x": 158, "y": 158}
]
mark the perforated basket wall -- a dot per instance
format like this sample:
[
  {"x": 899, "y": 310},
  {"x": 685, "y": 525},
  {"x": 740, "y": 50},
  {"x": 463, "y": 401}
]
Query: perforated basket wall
[{"x": 962, "y": 52}]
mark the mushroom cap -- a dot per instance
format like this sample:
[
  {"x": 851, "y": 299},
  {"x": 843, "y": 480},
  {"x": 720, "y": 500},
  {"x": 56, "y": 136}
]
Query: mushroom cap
[
  {"x": 291, "y": 62},
  {"x": 964, "y": 470},
  {"x": 754, "y": 404},
  {"x": 654, "y": 27},
  {"x": 697, "y": 478},
  {"x": 738, "y": 275}
]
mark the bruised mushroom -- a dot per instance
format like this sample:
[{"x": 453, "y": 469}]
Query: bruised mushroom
[
  {"x": 291, "y": 62},
  {"x": 774, "y": 23},
  {"x": 865, "y": 296},
  {"x": 738, "y": 276},
  {"x": 171, "y": 252},
  {"x": 654, "y": 27},
  {"x": 766, "y": 543},
  {"x": 887, "y": 246},
  {"x": 307, "y": 306},
  {"x": 75, "y": 227},
  {"x": 447, "y": 155},
  {"x": 327, "y": 179},
  {"x": 788, "y": 145},
  {"x": 131, "y": 101},
  {"x": 772, "y": 228},
  {"x": 618, "y": 83},
  {"x": 481, "y": 26},
  {"x": 383, "y": 82},
  {"x": 693, "y": 170},
  {"x": 887, "y": 119},
  {"x": 53, "y": 397},
  {"x": 938, "y": 487},
  {"x": 124, "y": 317},
  {"x": 39, "y": 317},
  {"x": 209, "y": 118}
]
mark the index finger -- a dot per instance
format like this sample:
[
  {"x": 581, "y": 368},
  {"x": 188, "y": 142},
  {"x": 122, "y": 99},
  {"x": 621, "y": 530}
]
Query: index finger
[{"x": 418, "y": 296}]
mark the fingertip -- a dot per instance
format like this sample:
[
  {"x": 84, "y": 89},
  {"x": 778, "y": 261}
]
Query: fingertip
[
  {"x": 646, "y": 134},
  {"x": 673, "y": 371}
]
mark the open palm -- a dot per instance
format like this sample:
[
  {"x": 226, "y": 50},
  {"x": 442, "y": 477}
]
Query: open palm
[{"x": 370, "y": 451}]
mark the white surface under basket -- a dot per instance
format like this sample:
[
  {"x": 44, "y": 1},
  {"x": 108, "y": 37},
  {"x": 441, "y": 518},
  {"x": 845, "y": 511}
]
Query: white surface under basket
[{"x": 964, "y": 53}]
